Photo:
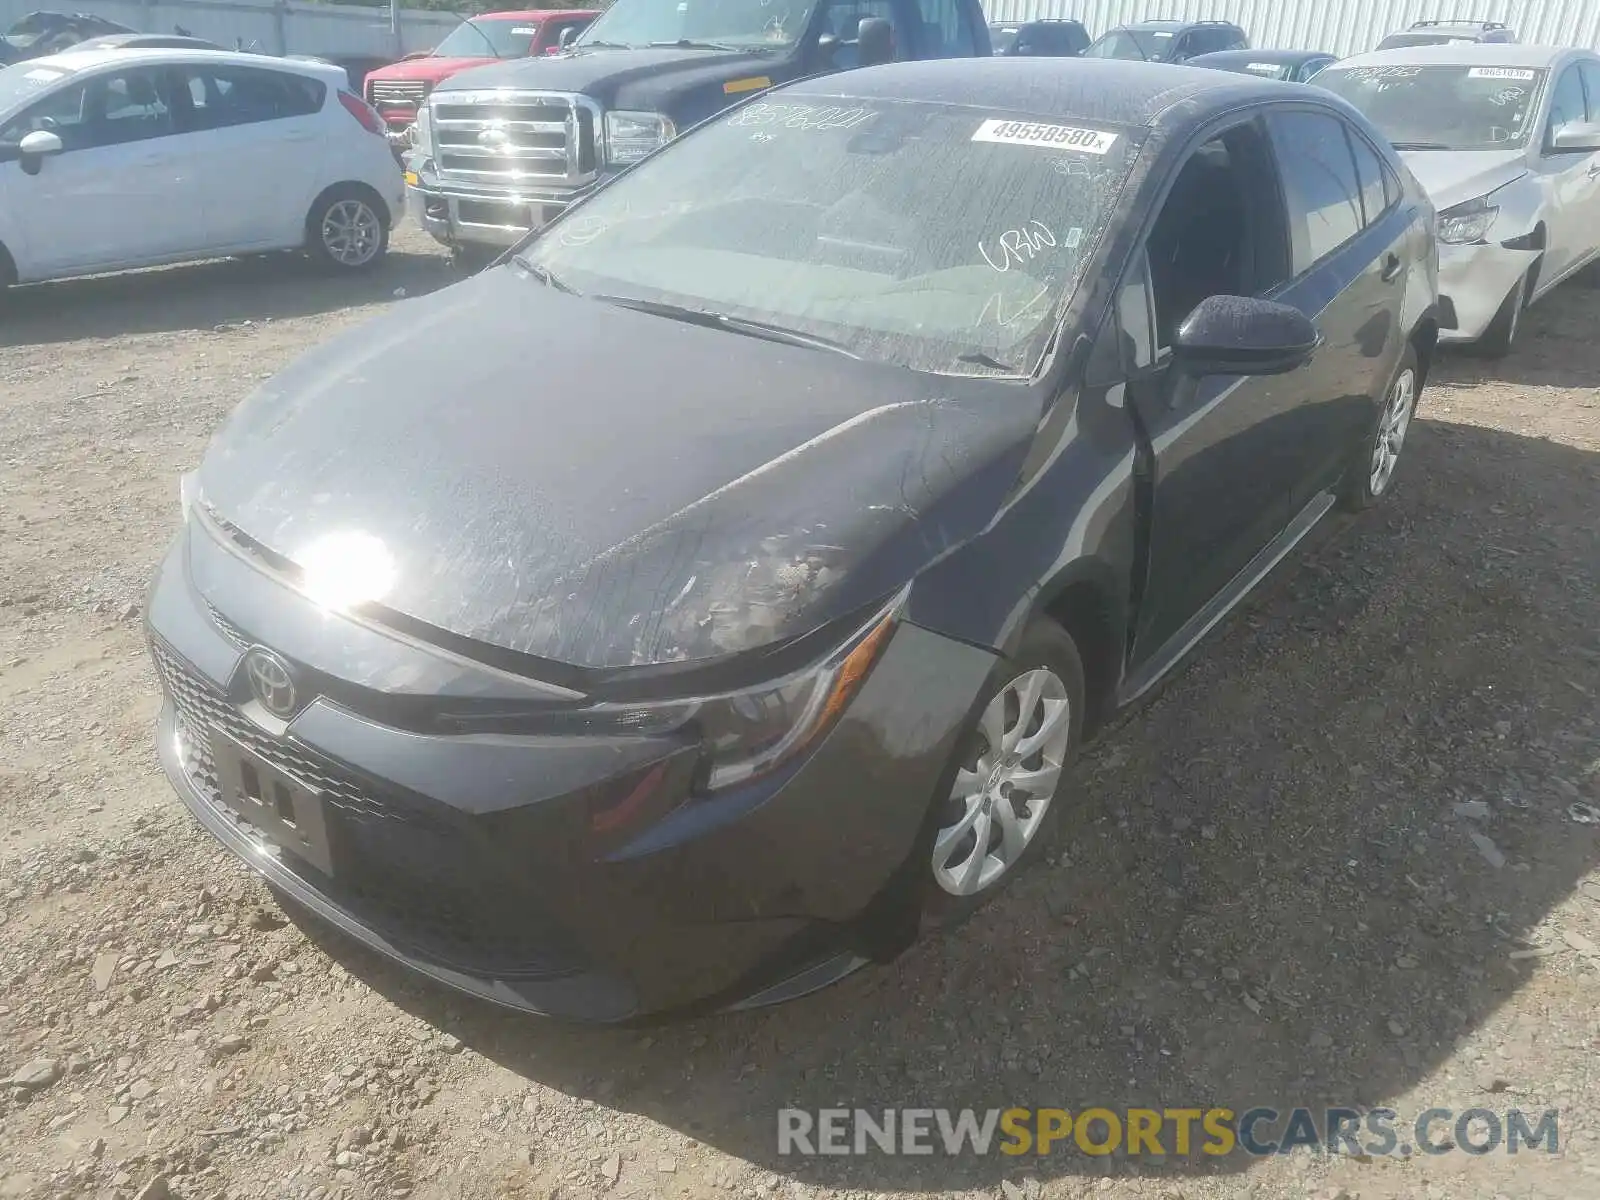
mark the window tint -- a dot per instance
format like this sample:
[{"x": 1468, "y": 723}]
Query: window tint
[
  {"x": 1391, "y": 187},
  {"x": 1566, "y": 102},
  {"x": 110, "y": 110},
  {"x": 946, "y": 31},
  {"x": 1319, "y": 183},
  {"x": 219, "y": 97},
  {"x": 61, "y": 113},
  {"x": 1369, "y": 172},
  {"x": 1206, "y": 41}
]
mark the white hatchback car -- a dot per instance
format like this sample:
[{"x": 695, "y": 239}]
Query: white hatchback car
[
  {"x": 1505, "y": 139},
  {"x": 112, "y": 159}
]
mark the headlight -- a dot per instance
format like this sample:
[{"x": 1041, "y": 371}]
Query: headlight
[
  {"x": 632, "y": 135},
  {"x": 188, "y": 489},
  {"x": 1467, "y": 223},
  {"x": 422, "y": 132}
]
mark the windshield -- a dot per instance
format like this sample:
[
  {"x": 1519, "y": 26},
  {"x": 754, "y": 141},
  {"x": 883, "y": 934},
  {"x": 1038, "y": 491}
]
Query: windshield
[
  {"x": 736, "y": 24},
  {"x": 1002, "y": 39},
  {"x": 22, "y": 83},
  {"x": 931, "y": 236},
  {"x": 1125, "y": 43},
  {"x": 499, "y": 37},
  {"x": 1442, "y": 107},
  {"x": 1396, "y": 40}
]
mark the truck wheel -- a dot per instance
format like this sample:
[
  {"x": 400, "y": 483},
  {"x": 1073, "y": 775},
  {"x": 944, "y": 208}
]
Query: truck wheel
[
  {"x": 1371, "y": 471},
  {"x": 1003, "y": 805},
  {"x": 469, "y": 260},
  {"x": 1498, "y": 339},
  {"x": 347, "y": 229}
]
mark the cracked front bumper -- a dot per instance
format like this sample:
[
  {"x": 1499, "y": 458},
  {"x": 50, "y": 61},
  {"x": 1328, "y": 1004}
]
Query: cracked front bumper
[{"x": 1476, "y": 280}]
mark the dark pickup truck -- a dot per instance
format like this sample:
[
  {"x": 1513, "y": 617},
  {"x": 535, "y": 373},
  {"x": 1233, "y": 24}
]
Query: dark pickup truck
[{"x": 499, "y": 150}]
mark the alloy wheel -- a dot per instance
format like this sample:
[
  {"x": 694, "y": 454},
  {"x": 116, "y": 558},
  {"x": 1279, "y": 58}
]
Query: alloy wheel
[
  {"x": 1392, "y": 427},
  {"x": 351, "y": 233},
  {"x": 1000, "y": 796}
]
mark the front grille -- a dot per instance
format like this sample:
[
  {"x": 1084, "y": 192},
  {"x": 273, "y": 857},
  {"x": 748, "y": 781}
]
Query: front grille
[
  {"x": 412, "y": 877},
  {"x": 396, "y": 91},
  {"x": 508, "y": 139}
]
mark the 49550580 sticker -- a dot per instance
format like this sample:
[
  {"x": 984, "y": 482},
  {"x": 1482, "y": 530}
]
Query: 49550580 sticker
[{"x": 1049, "y": 137}]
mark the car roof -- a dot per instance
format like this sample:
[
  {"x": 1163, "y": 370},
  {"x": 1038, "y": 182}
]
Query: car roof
[
  {"x": 1475, "y": 54},
  {"x": 1104, "y": 91},
  {"x": 1035, "y": 21},
  {"x": 1282, "y": 58},
  {"x": 73, "y": 60},
  {"x": 536, "y": 14},
  {"x": 1172, "y": 25}
]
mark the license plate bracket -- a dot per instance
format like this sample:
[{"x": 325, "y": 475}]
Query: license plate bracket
[{"x": 285, "y": 814}]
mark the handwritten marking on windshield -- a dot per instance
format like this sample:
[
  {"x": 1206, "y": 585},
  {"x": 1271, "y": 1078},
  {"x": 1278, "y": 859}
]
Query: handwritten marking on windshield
[
  {"x": 1073, "y": 167},
  {"x": 580, "y": 231},
  {"x": 1359, "y": 73},
  {"x": 1030, "y": 309},
  {"x": 1506, "y": 96},
  {"x": 1017, "y": 247},
  {"x": 800, "y": 116}
]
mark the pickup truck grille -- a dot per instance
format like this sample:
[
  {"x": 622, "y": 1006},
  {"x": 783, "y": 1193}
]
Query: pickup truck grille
[
  {"x": 514, "y": 139},
  {"x": 396, "y": 91}
]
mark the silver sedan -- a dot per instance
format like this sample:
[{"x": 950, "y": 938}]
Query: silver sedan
[{"x": 1505, "y": 139}]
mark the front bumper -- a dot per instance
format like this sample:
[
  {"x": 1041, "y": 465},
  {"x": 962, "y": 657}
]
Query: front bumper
[
  {"x": 463, "y": 216},
  {"x": 476, "y": 859},
  {"x": 1476, "y": 279}
]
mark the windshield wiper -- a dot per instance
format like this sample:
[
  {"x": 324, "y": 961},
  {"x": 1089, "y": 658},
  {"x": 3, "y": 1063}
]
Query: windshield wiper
[
  {"x": 744, "y": 325},
  {"x": 1420, "y": 146},
  {"x": 605, "y": 45},
  {"x": 544, "y": 275},
  {"x": 980, "y": 359},
  {"x": 691, "y": 44}
]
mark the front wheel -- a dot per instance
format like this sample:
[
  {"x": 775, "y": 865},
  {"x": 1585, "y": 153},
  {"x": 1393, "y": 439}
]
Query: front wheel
[
  {"x": 1371, "y": 472},
  {"x": 346, "y": 230},
  {"x": 1003, "y": 807},
  {"x": 1501, "y": 335}
]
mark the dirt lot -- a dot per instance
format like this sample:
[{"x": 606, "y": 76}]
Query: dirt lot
[{"x": 1272, "y": 894}]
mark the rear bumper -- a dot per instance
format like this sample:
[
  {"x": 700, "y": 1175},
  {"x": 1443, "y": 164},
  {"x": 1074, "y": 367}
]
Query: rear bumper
[
  {"x": 476, "y": 860},
  {"x": 1476, "y": 280}
]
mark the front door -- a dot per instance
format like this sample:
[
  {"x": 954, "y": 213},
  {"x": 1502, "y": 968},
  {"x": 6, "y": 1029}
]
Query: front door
[
  {"x": 120, "y": 193},
  {"x": 1571, "y": 188}
]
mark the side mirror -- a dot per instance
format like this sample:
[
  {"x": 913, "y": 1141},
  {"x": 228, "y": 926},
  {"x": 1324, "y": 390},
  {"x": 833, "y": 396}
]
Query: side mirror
[
  {"x": 1576, "y": 137},
  {"x": 36, "y": 147},
  {"x": 874, "y": 42},
  {"x": 566, "y": 38},
  {"x": 1240, "y": 335}
]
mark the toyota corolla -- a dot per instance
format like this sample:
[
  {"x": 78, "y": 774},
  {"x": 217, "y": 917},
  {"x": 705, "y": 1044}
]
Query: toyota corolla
[{"x": 688, "y": 609}]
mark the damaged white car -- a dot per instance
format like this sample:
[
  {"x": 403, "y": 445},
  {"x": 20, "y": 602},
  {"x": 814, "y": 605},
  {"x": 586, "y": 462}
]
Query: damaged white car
[{"x": 1505, "y": 139}]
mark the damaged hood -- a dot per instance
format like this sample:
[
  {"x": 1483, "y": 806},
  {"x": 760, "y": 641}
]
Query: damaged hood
[
  {"x": 600, "y": 487},
  {"x": 1451, "y": 177}
]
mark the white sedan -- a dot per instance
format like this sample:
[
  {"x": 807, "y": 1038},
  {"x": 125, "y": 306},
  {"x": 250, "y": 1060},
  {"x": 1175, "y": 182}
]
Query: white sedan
[
  {"x": 111, "y": 159},
  {"x": 1505, "y": 139}
]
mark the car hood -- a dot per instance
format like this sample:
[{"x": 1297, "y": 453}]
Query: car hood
[
  {"x": 1450, "y": 177},
  {"x": 599, "y": 487},
  {"x": 428, "y": 70},
  {"x": 617, "y": 78}
]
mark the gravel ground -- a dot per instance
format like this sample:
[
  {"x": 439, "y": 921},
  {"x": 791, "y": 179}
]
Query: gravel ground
[{"x": 1335, "y": 862}]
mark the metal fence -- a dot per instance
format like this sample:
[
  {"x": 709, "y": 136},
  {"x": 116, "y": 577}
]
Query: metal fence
[
  {"x": 266, "y": 26},
  {"x": 1337, "y": 26}
]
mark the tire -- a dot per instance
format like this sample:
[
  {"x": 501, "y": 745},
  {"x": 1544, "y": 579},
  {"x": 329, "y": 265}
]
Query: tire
[
  {"x": 955, "y": 885},
  {"x": 1501, "y": 335},
  {"x": 347, "y": 229},
  {"x": 1370, "y": 478},
  {"x": 469, "y": 260}
]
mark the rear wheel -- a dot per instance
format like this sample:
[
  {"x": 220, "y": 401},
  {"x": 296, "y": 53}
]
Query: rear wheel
[
  {"x": 1003, "y": 807},
  {"x": 346, "y": 229},
  {"x": 1501, "y": 335}
]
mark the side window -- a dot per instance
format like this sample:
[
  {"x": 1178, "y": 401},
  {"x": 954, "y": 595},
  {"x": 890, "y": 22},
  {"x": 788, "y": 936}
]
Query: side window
[
  {"x": 1136, "y": 317},
  {"x": 1591, "y": 84},
  {"x": 126, "y": 107},
  {"x": 61, "y": 113},
  {"x": 1391, "y": 187},
  {"x": 1319, "y": 183},
  {"x": 1237, "y": 41},
  {"x": 1566, "y": 103},
  {"x": 842, "y": 19},
  {"x": 946, "y": 30},
  {"x": 226, "y": 96},
  {"x": 1369, "y": 173},
  {"x": 1220, "y": 229}
]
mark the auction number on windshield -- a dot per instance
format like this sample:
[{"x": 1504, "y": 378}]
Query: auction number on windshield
[{"x": 1051, "y": 137}]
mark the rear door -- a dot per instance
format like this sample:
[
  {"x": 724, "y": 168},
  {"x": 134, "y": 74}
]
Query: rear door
[
  {"x": 264, "y": 142},
  {"x": 123, "y": 190},
  {"x": 1350, "y": 262}
]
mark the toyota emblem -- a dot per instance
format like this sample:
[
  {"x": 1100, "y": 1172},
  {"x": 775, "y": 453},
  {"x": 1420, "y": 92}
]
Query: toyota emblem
[{"x": 271, "y": 681}]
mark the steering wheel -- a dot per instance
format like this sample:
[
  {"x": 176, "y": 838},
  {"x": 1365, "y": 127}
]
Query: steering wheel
[{"x": 47, "y": 122}]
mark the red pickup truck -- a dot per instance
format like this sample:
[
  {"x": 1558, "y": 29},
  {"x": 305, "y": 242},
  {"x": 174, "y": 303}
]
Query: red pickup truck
[{"x": 398, "y": 91}]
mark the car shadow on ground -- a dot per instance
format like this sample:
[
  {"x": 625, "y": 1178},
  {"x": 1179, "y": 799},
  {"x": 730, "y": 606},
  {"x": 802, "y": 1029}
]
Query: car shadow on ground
[
  {"x": 206, "y": 295},
  {"x": 1270, "y": 894}
]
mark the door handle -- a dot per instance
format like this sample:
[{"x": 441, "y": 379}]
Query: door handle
[{"x": 1391, "y": 268}]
